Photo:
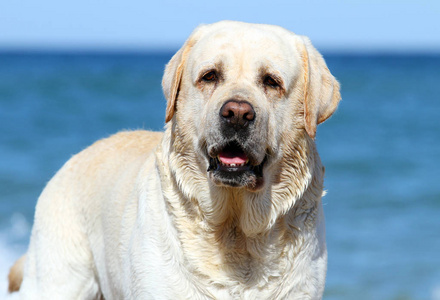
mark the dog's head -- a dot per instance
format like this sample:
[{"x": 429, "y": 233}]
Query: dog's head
[{"x": 238, "y": 91}]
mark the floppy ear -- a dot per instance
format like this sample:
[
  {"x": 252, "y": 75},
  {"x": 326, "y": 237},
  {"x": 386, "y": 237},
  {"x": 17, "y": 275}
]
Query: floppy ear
[
  {"x": 321, "y": 96},
  {"x": 173, "y": 75}
]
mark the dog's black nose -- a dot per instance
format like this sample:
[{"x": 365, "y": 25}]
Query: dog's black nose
[{"x": 237, "y": 113}]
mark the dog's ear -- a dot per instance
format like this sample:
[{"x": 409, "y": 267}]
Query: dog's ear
[
  {"x": 173, "y": 75},
  {"x": 321, "y": 94}
]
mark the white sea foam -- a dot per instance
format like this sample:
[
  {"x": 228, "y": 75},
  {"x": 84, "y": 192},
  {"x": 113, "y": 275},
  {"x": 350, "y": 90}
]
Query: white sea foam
[
  {"x": 13, "y": 240},
  {"x": 435, "y": 295}
]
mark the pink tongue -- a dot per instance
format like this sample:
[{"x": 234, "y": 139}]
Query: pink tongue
[{"x": 232, "y": 158}]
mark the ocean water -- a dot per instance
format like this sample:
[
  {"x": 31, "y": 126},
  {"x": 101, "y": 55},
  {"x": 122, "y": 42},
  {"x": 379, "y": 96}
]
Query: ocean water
[{"x": 381, "y": 151}]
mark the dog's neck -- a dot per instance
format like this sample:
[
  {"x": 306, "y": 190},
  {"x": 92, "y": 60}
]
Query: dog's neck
[{"x": 293, "y": 184}]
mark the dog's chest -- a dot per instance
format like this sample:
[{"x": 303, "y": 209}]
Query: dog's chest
[{"x": 236, "y": 267}]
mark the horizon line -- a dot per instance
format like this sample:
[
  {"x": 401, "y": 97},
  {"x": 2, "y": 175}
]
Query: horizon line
[{"x": 172, "y": 50}]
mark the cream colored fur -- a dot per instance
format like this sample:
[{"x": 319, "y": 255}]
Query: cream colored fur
[{"x": 137, "y": 215}]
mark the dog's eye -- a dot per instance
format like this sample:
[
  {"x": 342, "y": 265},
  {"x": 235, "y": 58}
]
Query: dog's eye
[
  {"x": 210, "y": 76},
  {"x": 268, "y": 80}
]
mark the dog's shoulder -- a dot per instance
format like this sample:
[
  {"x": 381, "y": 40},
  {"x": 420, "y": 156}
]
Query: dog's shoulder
[
  {"x": 108, "y": 159},
  {"x": 126, "y": 141},
  {"x": 122, "y": 145}
]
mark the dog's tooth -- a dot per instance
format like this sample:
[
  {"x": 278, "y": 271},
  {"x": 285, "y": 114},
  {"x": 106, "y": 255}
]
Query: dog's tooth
[{"x": 233, "y": 165}]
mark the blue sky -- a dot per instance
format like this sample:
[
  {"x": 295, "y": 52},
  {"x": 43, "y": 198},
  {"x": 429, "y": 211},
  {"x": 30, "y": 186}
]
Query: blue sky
[{"x": 142, "y": 24}]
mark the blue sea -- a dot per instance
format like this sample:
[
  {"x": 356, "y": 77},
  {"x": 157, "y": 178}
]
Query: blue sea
[{"x": 381, "y": 150}]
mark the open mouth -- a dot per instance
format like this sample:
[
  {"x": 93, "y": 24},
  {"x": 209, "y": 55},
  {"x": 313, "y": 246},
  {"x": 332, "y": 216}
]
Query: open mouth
[{"x": 232, "y": 166}]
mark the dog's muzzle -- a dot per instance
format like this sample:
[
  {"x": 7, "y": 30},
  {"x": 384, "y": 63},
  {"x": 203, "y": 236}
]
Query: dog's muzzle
[{"x": 233, "y": 160}]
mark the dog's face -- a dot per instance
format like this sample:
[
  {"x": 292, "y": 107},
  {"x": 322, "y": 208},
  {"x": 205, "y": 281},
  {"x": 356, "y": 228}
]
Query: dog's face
[{"x": 238, "y": 91}]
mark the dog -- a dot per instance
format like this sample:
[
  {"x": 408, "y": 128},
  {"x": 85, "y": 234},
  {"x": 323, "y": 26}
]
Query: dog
[{"x": 225, "y": 204}]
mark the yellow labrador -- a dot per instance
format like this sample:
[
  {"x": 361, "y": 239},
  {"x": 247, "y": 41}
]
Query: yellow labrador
[{"x": 225, "y": 204}]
